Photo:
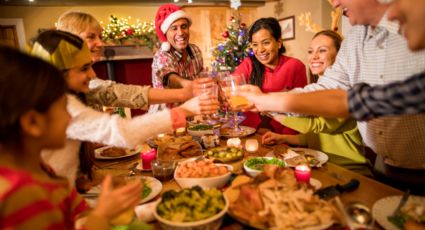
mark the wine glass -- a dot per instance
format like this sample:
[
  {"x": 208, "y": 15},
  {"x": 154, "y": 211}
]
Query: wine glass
[
  {"x": 230, "y": 84},
  {"x": 208, "y": 87}
]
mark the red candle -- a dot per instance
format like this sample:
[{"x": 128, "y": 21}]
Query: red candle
[
  {"x": 302, "y": 173},
  {"x": 147, "y": 157}
]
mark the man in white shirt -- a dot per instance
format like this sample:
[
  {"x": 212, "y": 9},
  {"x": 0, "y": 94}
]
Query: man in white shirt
[{"x": 374, "y": 52}]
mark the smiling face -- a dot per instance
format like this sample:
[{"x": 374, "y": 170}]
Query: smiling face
[
  {"x": 178, "y": 34},
  {"x": 321, "y": 54},
  {"x": 78, "y": 78},
  {"x": 411, "y": 15},
  {"x": 266, "y": 48},
  {"x": 93, "y": 36},
  {"x": 361, "y": 12}
]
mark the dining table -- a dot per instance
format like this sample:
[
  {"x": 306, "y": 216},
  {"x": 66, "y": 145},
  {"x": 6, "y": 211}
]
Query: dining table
[{"x": 368, "y": 192}]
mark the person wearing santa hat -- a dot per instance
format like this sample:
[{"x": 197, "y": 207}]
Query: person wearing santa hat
[{"x": 177, "y": 62}]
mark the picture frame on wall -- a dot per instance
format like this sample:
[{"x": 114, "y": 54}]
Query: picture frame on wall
[{"x": 288, "y": 28}]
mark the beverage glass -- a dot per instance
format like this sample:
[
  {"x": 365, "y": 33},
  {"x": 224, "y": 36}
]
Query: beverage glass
[
  {"x": 230, "y": 84},
  {"x": 163, "y": 170}
]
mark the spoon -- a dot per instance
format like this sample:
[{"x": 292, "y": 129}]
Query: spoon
[{"x": 359, "y": 214}]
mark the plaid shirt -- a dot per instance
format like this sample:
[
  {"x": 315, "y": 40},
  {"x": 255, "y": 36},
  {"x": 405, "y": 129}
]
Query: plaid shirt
[
  {"x": 168, "y": 62},
  {"x": 381, "y": 56},
  {"x": 403, "y": 97}
]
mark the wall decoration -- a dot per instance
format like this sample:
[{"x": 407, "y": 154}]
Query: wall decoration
[
  {"x": 306, "y": 20},
  {"x": 288, "y": 28}
]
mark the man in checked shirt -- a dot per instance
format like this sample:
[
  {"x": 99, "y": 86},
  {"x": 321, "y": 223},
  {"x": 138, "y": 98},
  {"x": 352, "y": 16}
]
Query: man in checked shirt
[{"x": 376, "y": 54}]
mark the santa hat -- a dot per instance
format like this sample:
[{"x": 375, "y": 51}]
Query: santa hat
[{"x": 165, "y": 16}]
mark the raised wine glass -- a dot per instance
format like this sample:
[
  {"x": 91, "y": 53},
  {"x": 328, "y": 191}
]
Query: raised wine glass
[{"x": 230, "y": 84}]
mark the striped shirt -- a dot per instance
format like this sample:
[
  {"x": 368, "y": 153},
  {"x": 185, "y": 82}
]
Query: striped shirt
[
  {"x": 171, "y": 62},
  {"x": 380, "y": 56},
  {"x": 36, "y": 202},
  {"x": 401, "y": 97}
]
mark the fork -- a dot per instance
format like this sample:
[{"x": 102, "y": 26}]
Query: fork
[{"x": 403, "y": 200}]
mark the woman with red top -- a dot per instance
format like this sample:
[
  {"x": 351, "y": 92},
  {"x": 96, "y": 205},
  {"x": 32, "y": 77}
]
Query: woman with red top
[{"x": 269, "y": 69}]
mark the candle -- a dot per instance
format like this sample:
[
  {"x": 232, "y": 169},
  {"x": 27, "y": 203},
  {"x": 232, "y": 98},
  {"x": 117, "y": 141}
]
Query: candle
[
  {"x": 147, "y": 157},
  {"x": 181, "y": 131},
  {"x": 160, "y": 136},
  {"x": 251, "y": 145},
  {"x": 234, "y": 142},
  {"x": 302, "y": 173}
]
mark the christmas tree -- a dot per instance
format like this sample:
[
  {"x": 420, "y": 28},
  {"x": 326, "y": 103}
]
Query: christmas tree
[
  {"x": 120, "y": 30},
  {"x": 230, "y": 53}
]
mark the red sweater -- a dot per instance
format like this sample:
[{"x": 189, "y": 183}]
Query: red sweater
[{"x": 288, "y": 74}]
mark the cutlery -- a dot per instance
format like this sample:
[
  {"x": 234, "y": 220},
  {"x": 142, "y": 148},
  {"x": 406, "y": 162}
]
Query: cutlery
[
  {"x": 335, "y": 190},
  {"x": 403, "y": 200}
]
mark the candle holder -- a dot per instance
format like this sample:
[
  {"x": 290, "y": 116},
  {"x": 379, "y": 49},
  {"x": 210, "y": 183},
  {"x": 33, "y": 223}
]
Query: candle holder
[
  {"x": 147, "y": 157},
  {"x": 303, "y": 173},
  {"x": 251, "y": 145}
]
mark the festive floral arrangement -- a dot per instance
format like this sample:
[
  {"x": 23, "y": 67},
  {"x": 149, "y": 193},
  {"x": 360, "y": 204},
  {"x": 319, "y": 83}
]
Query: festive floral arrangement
[
  {"x": 120, "y": 31},
  {"x": 230, "y": 53}
]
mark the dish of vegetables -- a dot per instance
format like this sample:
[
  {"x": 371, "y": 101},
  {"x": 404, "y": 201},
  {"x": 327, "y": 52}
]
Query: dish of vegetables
[
  {"x": 225, "y": 154},
  {"x": 257, "y": 163}
]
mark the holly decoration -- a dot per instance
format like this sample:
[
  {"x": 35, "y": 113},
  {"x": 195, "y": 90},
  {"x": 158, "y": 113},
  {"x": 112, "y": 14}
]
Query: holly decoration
[
  {"x": 120, "y": 30},
  {"x": 230, "y": 52}
]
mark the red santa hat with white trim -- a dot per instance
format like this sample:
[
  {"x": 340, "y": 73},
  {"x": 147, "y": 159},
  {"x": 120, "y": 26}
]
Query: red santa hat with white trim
[{"x": 165, "y": 16}]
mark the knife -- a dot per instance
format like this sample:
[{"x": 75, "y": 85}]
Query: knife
[{"x": 335, "y": 190}]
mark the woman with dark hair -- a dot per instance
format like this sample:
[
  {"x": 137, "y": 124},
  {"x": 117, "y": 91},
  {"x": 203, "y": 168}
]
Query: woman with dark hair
[
  {"x": 269, "y": 69},
  {"x": 322, "y": 52}
]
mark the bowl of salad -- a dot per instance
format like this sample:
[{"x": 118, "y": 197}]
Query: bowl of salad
[
  {"x": 254, "y": 166},
  {"x": 191, "y": 208},
  {"x": 199, "y": 130}
]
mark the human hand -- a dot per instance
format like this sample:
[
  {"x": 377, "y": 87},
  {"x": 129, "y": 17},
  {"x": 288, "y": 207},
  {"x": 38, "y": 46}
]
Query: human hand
[
  {"x": 203, "y": 104},
  {"x": 253, "y": 94},
  {"x": 112, "y": 202},
  {"x": 270, "y": 138}
]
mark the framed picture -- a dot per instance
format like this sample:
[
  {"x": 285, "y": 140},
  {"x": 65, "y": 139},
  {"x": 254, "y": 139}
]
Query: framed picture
[{"x": 288, "y": 28}]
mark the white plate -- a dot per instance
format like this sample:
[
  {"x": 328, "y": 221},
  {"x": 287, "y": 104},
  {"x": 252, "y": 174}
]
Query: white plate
[
  {"x": 385, "y": 207},
  {"x": 320, "y": 156},
  {"x": 152, "y": 182},
  {"x": 129, "y": 152}
]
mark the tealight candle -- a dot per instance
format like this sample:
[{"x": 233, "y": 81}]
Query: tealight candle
[
  {"x": 302, "y": 173},
  {"x": 147, "y": 157},
  {"x": 233, "y": 142},
  {"x": 181, "y": 131},
  {"x": 251, "y": 145}
]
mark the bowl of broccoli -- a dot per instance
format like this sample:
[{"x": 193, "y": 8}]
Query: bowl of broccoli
[{"x": 191, "y": 208}]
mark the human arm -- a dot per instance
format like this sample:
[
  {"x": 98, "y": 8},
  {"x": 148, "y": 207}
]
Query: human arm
[
  {"x": 275, "y": 138},
  {"x": 88, "y": 124},
  {"x": 402, "y": 97},
  {"x": 313, "y": 124}
]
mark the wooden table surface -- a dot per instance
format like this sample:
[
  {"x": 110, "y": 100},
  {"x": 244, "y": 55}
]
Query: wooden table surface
[{"x": 368, "y": 192}]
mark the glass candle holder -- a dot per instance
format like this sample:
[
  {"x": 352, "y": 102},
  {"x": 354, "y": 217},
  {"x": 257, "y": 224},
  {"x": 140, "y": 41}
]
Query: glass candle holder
[
  {"x": 251, "y": 145},
  {"x": 147, "y": 157},
  {"x": 303, "y": 173}
]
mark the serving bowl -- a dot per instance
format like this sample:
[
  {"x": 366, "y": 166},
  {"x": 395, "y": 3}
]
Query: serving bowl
[
  {"x": 253, "y": 166},
  {"x": 203, "y": 182},
  {"x": 210, "y": 223},
  {"x": 199, "y": 130}
]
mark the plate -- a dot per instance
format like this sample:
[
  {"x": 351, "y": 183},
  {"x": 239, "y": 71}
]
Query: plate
[
  {"x": 153, "y": 183},
  {"x": 318, "y": 155},
  {"x": 129, "y": 153},
  {"x": 245, "y": 131},
  {"x": 224, "y": 150},
  {"x": 385, "y": 207}
]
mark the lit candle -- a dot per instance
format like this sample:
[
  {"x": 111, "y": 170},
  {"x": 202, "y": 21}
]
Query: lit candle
[
  {"x": 302, "y": 173},
  {"x": 251, "y": 145},
  {"x": 181, "y": 131},
  {"x": 234, "y": 142},
  {"x": 147, "y": 157}
]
